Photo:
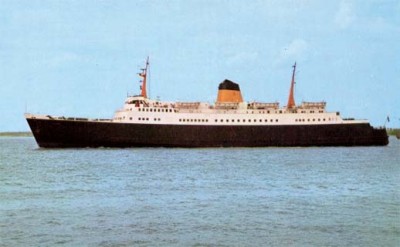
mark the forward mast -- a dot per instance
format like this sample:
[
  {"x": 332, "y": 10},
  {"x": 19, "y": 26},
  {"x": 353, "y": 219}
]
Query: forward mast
[{"x": 143, "y": 74}]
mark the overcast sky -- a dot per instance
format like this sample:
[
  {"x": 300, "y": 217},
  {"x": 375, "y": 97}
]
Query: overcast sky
[{"x": 81, "y": 58}]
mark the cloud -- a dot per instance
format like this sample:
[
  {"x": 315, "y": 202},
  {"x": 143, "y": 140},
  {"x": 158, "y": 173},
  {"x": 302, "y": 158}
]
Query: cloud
[
  {"x": 293, "y": 51},
  {"x": 345, "y": 16},
  {"x": 242, "y": 57}
]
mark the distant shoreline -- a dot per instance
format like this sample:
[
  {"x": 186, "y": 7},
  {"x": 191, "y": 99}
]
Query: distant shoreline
[
  {"x": 16, "y": 134},
  {"x": 393, "y": 132}
]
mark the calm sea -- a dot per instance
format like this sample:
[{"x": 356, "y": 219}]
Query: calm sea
[{"x": 199, "y": 197}]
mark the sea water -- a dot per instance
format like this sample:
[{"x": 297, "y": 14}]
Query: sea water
[{"x": 330, "y": 196}]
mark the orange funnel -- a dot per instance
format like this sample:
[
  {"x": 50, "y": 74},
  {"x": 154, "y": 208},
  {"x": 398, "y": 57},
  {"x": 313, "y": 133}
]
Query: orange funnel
[{"x": 229, "y": 92}]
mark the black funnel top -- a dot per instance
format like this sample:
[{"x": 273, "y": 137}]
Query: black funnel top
[{"x": 229, "y": 85}]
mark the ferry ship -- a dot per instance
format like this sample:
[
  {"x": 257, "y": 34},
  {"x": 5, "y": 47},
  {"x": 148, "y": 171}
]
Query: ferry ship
[{"x": 229, "y": 122}]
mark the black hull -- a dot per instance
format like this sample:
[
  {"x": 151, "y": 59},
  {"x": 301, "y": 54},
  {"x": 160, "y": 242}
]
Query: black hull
[{"x": 63, "y": 133}]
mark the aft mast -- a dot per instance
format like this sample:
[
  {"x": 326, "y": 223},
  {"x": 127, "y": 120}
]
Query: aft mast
[
  {"x": 143, "y": 74},
  {"x": 291, "y": 103}
]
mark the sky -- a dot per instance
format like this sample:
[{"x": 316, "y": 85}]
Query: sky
[{"x": 81, "y": 58}]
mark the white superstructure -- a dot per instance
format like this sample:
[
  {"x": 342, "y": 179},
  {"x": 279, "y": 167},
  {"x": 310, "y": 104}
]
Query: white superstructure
[
  {"x": 229, "y": 109},
  {"x": 138, "y": 109}
]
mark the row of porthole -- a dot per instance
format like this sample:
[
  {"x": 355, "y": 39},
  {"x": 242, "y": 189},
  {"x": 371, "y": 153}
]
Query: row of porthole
[
  {"x": 193, "y": 120},
  {"x": 228, "y": 120},
  {"x": 170, "y": 110},
  {"x": 313, "y": 120},
  {"x": 147, "y": 119},
  {"x": 312, "y": 111},
  {"x": 232, "y": 120},
  {"x": 155, "y": 110},
  {"x": 280, "y": 112},
  {"x": 244, "y": 120},
  {"x": 263, "y": 112}
]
